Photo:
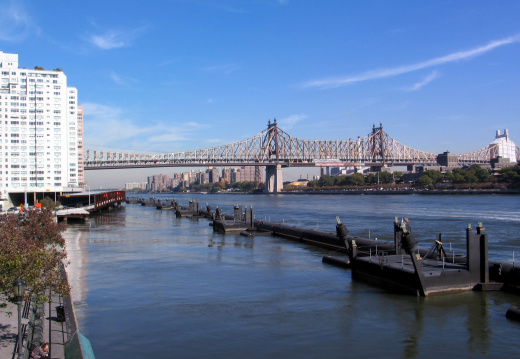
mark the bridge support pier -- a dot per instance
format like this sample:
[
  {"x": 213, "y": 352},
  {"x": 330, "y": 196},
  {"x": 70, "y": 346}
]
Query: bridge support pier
[{"x": 273, "y": 179}]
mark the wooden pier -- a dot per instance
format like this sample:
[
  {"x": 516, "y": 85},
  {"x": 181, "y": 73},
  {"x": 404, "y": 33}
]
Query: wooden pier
[{"x": 81, "y": 205}]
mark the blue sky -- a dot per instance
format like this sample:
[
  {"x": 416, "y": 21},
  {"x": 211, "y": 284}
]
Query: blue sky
[{"x": 166, "y": 76}]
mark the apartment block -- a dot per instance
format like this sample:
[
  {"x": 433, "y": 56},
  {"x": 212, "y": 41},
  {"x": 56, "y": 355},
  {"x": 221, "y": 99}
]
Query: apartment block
[{"x": 40, "y": 128}]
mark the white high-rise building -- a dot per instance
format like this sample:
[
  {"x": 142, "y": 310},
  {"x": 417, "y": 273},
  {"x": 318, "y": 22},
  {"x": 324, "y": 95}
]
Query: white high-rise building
[
  {"x": 38, "y": 133},
  {"x": 506, "y": 147}
]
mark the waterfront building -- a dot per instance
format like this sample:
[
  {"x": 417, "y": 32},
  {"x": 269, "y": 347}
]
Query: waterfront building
[
  {"x": 246, "y": 174},
  {"x": 81, "y": 164},
  {"x": 213, "y": 175},
  {"x": 159, "y": 183},
  {"x": 135, "y": 185},
  {"x": 226, "y": 174},
  {"x": 40, "y": 152}
]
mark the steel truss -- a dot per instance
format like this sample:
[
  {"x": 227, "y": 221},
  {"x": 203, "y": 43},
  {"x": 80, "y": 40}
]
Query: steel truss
[{"x": 274, "y": 146}]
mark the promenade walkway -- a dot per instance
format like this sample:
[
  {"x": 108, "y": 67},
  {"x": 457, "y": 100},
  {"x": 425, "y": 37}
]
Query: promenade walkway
[{"x": 55, "y": 333}]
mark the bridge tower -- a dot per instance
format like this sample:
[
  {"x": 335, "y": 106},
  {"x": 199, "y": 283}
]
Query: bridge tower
[
  {"x": 377, "y": 146},
  {"x": 273, "y": 173}
]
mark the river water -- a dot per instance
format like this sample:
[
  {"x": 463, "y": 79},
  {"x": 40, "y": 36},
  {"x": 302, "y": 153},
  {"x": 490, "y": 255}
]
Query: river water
[{"x": 149, "y": 285}]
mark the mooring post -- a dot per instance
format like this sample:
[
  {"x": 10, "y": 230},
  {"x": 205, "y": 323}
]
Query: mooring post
[
  {"x": 342, "y": 233},
  {"x": 247, "y": 219},
  {"x": 237, "y": 212},
  {"x": 484, "y": 266},
  {"x": 476, "y": 246},
  {"x": 251, "y": 223},
  {"x": 397, "y": 236}
]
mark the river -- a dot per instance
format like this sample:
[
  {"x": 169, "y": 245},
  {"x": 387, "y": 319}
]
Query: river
[{"x": 149, "y": 285}]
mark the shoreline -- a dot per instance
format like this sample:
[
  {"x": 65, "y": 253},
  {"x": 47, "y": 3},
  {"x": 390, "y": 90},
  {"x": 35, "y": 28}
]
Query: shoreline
[{"x": 355, "y": 191}]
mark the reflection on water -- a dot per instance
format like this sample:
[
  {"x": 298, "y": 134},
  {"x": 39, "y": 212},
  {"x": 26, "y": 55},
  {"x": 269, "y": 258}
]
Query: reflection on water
[{"x": 143, "y": 276}]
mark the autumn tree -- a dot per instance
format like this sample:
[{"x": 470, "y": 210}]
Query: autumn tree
[{"x": 33, "y": 249}]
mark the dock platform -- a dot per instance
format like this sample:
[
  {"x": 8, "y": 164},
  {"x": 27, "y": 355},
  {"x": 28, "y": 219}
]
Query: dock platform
[{"x": 81, "y": 205}]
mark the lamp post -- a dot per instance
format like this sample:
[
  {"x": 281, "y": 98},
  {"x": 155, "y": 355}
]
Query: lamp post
[{"x": 19, "y": 292}]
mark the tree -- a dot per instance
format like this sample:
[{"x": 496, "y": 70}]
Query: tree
[
  {"x": 33, "y": 249},
  {"x": 459, "y": 175},
  {"x": 398, "y": 177},
  {"x": 312, "y": 184},
  {"x": 448, "y": 176},
  {"x": 326, "y": 181},
  {"x": 49, "y": 203},
  {"x": 340, "y": 181},
  {"x": 511, "y": 176},
  {"x": 356, "y": 179},
  {"x": 386, "y": 177},
  {"x": 481, "y": 174},
  {"x": 424, "y": 181},
  {"x": 435, "y": 175}
]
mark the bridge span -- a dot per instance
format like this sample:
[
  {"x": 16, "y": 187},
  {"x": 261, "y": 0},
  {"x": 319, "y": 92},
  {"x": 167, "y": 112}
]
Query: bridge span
[{"x": 274, "y": 149}]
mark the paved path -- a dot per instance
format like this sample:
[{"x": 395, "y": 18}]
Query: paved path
[{"x": 54, "y": 330}]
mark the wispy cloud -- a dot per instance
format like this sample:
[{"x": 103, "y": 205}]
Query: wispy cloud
[
  {"x": 180, "y": 133},
  {"x": 107, "y": 124},
  {"x": 168, "y": 62},
  {"x": 424, "y": 81},
  {"x": 222, "y": 69},
  {"x": 289, "y": 122},
  {"x": 121, "y": 80},
  {"x": 110, "y": 126},
  {"x": 113, "y": 39},
  {"x": 15, "y": 23},
  {"x": 383, "y": 73}
]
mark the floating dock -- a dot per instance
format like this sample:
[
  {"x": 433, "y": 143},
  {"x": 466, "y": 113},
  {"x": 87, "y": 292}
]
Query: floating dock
[{"x": 398, "y": 266}]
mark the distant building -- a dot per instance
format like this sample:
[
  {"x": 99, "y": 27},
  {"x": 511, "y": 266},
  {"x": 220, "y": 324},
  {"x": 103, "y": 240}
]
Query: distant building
[
  {"x": 213, "y": 175},
  {"x": 447, "y": 160},
  {"x": 135, "y": 185},
  {"x": 40, "y": 141},
  {"x": 226, "y": 174},
  {"x": 159, "y": 183},
  {"x": 507, "y": 150}
]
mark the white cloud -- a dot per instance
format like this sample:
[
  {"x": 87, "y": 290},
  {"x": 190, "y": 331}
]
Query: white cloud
[
  {"x": 383, "y": 73},
  {"x": 424, "y": 81},
  {"x": 15, "y": 23},
  {"x": 113, "y": 39}
]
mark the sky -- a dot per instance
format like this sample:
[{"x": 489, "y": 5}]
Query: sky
[{"x": 163, "y": 76}]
